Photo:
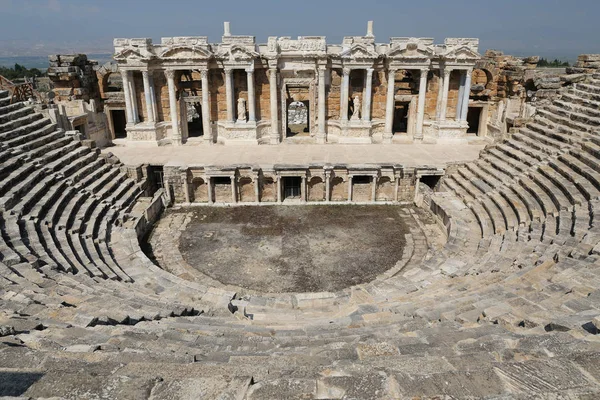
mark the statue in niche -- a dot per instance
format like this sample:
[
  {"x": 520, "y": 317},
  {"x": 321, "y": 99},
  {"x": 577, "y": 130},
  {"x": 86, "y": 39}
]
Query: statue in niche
[
  {"x": 241, "y": 110},
  {"x": 355, "y": 109}
]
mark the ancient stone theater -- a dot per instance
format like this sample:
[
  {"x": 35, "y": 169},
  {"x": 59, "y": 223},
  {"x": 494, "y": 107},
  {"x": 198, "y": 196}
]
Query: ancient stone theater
[{"x": 301, "y": 220}]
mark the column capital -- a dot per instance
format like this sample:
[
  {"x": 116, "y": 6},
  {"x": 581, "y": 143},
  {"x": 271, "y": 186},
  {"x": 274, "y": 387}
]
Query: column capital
[
  {"x": 469, "y": 72},
  {"x": 170, "y": 73},
  {"x": 250, "y": 69},
  {"x": 424, "y": 69},
  {"x": 347, "y": 70},
  {"x": 125, "y": 74},
  {"x": 447, "y": 72},
  {"x": 322, "y": 68},
  {"x": 228, "y": 70},
  {"x": 204, "y": 73},
  {"x": 145, "y": 73},
  {"x": 393, "y": 70},
  {"x": 370, "y": 70}
]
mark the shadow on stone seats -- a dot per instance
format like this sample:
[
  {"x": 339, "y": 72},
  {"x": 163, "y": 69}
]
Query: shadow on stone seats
[{"x": 17, "y": 383}]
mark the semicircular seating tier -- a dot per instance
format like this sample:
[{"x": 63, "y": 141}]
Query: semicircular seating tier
[{"x": 510, "y": 305}]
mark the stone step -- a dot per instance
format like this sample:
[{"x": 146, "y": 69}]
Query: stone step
[
  {"x": 511, "y": 219},
  {"x": 559, "y": 140},
  {"x": 573, "y": 97},
  {"x": 590, "y": 174},
  {"x": 495, "y": 215},
  {"x": 540, "y": 195},
  {"x": 30, "y": 136},
  {"x": 532, "y": 140},
  {"x": 535, "y": 210},
  {"x": 585, "y": 95},
  {"x": 6, "y": 108},
  {"x": 523, "y": 148},
  {"x": 13, "y": 195},
  {"x": 558, "y": 116},
  {"x": 587, "y": 87},
  {"x": 516, "y": 154},
  {"x": 567, "y": 187},
  {"x": 582, "y": 182},
  {"x": 592, "y": 112},
  {"x": 6, "y": 119},
  {"x": 14, "y": 128},
  {"x": 561, "y": 201},
  {"x": 509, "y": 165}
]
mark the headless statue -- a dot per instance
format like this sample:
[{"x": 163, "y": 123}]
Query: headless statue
[
  {"x": 241, "y": 110},
  {"x": 356, "y": 109}
]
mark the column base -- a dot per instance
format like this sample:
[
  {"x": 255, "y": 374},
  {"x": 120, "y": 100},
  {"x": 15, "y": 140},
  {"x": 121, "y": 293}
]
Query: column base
[
  {"x": 387, "y": 137},
  {"x": 321, "y": 138}
]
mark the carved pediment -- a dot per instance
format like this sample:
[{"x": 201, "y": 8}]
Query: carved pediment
[
  {"x": 185, "y": 52},
  {"x": 133, "y": 53},
  {"x": 359, "y": 51},
  {"x": 411, "y": 49},
  {"x": 462, "y": 53},
  {"x": 237, "y": 53}
]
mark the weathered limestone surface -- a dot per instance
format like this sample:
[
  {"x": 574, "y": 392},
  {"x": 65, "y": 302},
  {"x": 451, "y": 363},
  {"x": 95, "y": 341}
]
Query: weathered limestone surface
[{"x": 495, "y": 294}]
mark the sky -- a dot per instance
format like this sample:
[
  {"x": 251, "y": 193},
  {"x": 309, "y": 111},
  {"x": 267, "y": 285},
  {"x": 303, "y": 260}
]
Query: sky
[{"x": 549, "y": 28}]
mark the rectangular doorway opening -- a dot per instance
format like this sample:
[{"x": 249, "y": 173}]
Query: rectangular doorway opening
[
  {"x": 431, "y": 181},
  {"x": 119, "y": 123},
  {"x": 221, "y": 186},
  {"x": 155, "y": 179},
  {"x": 362, "y": 188},
  {"x": 473, "y": 119},
  {"x": 194, "y": 119},
  {"x": 291, "y": 187},
  {"x": 401, "y": 110}
]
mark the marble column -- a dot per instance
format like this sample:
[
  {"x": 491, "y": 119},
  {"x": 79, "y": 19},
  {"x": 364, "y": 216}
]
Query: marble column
[
  {"x": 209, "y": 189},
  {"x": 421, "y": 103},
  {"x": 438, "y": 106},
  {"x": 444, "y": 105},
  {"x": 397, "y": 186},
  {"x": 128, "y": 106},
  {"x": 279, "y": 194},
  {"x": 374, "y": 189},
  {"x": 170, "y": 74},
  {"x": 345, "y": 93},
  {"x": 321, "y": 135},
  {"x": 366, "y": 115},
  {"x": 461, "y": 91},
  {"x": 153, "y": 97},
  {"x": 303, "y": 194},
  {"x": 229, "y": 93},
  {"x": 251, "y": 97},
  {"x": 389, "y": 107},
  {"x": 206, "y": 128},
  {"x": 327, "y": 186},
  {"x": 256, "y": 188},
  {"x": 233, "y": 189},
  {"x": 132, "y": 94},
  {"x": 186, "y": 187},
  {"x": 466, "y": 95},
  {"x": 274, "y": 106},
  {"x": 349, "y": 188},
  {"x": 148, "y": 97}
]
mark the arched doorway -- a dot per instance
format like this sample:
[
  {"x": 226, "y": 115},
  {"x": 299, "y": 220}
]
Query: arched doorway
[{"x": 297, "y": 118}]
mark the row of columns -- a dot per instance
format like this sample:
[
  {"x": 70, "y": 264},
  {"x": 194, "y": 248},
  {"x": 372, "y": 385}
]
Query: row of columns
[
  {"x": 229, "y": 94},
  {"x": 151, "y": 106},
  {"x": 345, "y": 93},
  {"x": 462, "y": 106}
]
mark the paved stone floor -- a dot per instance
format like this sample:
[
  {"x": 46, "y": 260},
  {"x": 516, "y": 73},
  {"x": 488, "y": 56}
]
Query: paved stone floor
[
  {"x": 278, "y": 249},
  {"x": 435, "y": 155}
]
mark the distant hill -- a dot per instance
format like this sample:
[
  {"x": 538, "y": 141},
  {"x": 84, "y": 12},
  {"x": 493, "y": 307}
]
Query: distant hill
[{"x": 41, "y": 62}]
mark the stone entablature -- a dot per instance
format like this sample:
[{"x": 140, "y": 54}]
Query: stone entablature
[
  {"x": 241, "y": 76},
  {"x": 324, "y": 183}
]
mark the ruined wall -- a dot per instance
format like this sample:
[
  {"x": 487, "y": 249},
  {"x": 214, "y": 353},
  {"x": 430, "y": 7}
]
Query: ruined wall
[
  {"x": 379, "y": 95},
  {"x": 218, "y": 106},
  {"x": 333, "y": 95}
]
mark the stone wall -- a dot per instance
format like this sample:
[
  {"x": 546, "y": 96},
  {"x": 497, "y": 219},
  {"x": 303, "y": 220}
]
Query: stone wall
[{"x": 192, "y": 183}]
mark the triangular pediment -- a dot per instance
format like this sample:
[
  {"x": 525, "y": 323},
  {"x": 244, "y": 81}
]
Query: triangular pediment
[
  {"x": 133, "y": 53},
  {"x": 410, "y": 50},
  {"x": 185, "y": 52},
  {"x": 240, "y": 53},
  {"x": 360, "y": 51},
  {"x": 463, "y": 52}
]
